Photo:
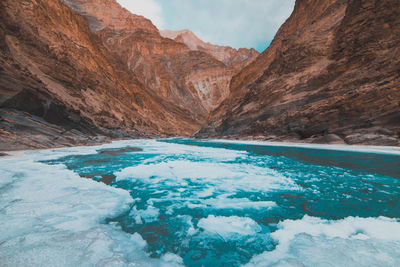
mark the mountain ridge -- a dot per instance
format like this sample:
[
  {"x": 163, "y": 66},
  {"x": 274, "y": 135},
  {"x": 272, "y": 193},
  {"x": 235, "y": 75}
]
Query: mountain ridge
[{"x": 229, "y": 56}]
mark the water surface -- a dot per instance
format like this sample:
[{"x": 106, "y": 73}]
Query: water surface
[{"x": 229, "y": 204}]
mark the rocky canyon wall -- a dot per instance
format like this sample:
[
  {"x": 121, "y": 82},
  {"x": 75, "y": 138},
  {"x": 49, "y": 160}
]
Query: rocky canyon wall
[
  {"x": 83, "y": 71},
  {"x": 330, "y": 75},
  {"x": 76, "y": 72}
]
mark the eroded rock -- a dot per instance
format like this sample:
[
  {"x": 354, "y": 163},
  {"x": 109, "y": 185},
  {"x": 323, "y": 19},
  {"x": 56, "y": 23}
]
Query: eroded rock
[{"x": 333, "y": 67}]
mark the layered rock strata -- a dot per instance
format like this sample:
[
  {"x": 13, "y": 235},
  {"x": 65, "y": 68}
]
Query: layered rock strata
[
  {"x": 74, "y": 71},
  {"x": 194, "y": 78},
  {"x": 331, "y": 73},
  {"x": 55, "y": 68}
]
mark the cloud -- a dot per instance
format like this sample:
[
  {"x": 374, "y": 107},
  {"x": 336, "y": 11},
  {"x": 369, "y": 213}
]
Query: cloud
[
  {"x": 150, "y": 9},
  {"x": 237, "y": 23}
]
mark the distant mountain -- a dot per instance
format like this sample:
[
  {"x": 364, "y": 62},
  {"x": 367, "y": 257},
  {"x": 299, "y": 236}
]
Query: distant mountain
[
  {"x": 235, "y": 58},
  {"x": 332, "y": 74}
]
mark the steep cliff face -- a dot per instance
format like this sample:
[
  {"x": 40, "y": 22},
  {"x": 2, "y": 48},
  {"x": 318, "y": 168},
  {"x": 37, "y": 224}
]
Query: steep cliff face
[
  {"x": 60, "y": 85},
  {"x": 78, "y": 71},
  {"x": 234, "y": 58},
  {"x": 192, "y": 78},
  {"x": 331, "y": 74}
]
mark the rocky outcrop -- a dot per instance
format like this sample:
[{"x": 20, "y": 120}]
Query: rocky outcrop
[
  {"x": 332, "y": 71},
  {"x": 20, "y": 130},
  {"x": 234, "y": 58}
]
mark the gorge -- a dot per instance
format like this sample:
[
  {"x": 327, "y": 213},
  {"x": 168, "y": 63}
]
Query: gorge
[
  {"x": 122, "y": 144},
  {"x": 87, "y": 71}
]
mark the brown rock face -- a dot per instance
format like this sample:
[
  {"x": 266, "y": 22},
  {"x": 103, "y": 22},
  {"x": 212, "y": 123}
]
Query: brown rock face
[
  {"x": 53, "y": 67},
  {"x": 73, "y": 69},
  {"x": 333, "y": 68}
]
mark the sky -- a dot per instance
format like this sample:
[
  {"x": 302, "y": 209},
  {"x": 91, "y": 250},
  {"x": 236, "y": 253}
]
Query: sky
[{"x": 237, "y": 23}]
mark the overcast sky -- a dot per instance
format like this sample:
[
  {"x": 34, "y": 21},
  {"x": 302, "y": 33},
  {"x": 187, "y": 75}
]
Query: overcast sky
[{"x": 237, "y": 23}]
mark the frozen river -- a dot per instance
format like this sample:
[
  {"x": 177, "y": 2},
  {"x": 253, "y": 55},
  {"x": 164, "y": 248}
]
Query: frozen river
[{"x": 201, "y": 203}]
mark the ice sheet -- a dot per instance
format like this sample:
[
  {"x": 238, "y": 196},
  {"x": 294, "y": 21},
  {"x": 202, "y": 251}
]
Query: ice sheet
[
  {"x": 53, "y": 217},
  {"x": 50, "y": 216},
  {"x": 356, "y": 148}
]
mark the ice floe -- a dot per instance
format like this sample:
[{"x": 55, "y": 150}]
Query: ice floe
[
  {"x": 148, "y": 215},
  {"x": 223, "y": 177},
  {"x": 352, "y": 241},
  {"x": 232, "y": 227}
]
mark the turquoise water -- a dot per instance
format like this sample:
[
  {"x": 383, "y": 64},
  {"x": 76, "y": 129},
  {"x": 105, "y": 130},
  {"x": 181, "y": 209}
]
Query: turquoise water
[{"x": 220, "y": 203}]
